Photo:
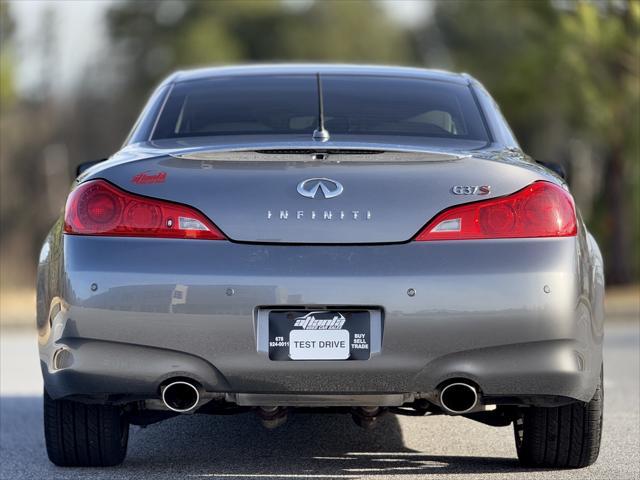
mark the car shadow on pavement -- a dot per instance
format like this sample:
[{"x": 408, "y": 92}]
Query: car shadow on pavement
[
  {"x": 326, "y": 446},
  {"x": 309, "y": 446}
]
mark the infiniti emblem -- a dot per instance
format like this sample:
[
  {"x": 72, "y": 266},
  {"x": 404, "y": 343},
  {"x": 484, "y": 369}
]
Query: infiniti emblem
[{"x": 330, "y": 188}]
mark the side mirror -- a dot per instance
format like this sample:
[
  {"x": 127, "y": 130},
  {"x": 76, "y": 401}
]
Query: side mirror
[
  {"x": 557, "y": 168},
  {"x": 86, "y": 165}
]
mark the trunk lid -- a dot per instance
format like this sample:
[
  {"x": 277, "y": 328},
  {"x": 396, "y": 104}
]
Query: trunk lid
[{"x": 347, "y": 197}]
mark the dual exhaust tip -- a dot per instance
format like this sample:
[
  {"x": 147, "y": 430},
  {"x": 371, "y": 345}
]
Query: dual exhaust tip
[
  {"x": 181, "y": 396},
  {"x": 459, "y": 398}
]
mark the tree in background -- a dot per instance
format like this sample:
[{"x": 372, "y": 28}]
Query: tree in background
[{"x": 567, "y": 76}]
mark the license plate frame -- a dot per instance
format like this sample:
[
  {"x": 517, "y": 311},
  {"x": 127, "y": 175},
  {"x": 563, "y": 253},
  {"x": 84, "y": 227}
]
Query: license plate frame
[{"x": 311, "y": 327}]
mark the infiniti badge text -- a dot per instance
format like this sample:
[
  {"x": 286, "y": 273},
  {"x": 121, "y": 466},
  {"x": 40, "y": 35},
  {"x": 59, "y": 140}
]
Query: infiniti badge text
[{"x": 319, "y": 214}]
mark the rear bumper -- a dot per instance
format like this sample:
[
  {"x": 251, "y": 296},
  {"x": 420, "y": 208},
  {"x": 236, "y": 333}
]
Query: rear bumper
[
  {"x": 517, "y": 373},
  {"x": 166, "y": 308}
]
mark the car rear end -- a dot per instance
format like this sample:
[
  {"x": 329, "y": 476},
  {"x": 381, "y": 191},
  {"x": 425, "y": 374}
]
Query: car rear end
[{"x": 187, "y": 277}]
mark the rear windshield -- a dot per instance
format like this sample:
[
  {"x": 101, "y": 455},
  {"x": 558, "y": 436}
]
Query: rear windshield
[{"x": 353, "y": 105}]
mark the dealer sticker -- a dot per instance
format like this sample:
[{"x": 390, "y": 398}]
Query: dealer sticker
[{"x": 319, "y": 344}]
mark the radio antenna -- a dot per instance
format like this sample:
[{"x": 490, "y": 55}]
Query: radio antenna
[{"x": 320, "y": 134}]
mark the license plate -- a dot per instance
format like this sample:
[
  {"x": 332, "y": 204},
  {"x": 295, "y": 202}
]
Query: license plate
[{"x": 319, "y": 335}]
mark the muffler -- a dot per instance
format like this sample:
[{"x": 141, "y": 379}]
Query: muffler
[
  {"x": 181, "y": 396},
  {"x": 458, "y": 398}
]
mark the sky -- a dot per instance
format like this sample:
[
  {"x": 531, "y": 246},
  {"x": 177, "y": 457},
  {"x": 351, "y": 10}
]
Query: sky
[{"x": 80, "y": 32}]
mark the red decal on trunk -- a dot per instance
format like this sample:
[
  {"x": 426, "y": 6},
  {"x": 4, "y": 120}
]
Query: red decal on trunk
[{"x": 149, "y": 177}]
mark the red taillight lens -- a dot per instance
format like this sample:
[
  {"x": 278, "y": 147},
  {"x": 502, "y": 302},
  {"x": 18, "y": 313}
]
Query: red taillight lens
[
  {"x": 99, "y": 208},
  {"x": 542, "y": 209}
]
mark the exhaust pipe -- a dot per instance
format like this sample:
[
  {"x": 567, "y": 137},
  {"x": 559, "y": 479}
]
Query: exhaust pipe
[
  {"x": 366, "y": 417},
  {"x": 272, "y": 417},
  {"x": 180, "y": 396},
  {"x": 458, "y": 398}
]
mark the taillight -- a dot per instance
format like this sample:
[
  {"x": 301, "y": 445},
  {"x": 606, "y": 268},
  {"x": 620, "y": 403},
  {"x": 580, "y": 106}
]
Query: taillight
[
  {"x": 99, "y": 208},
  {"x": 542, "y": 209}
]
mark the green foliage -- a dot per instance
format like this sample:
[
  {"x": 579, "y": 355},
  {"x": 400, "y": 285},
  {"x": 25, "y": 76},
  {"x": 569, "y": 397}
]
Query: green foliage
[
  {"x": 7, "y": 93},
  {"x": 600, "y": 48}
]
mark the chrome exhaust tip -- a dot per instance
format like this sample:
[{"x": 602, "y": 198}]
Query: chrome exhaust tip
[
  {"x": 180, "y": 396},
  {"x": 458, "y": 398}
]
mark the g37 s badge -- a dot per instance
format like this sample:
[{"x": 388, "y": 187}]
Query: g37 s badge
[{"x": 471, "y": 189}]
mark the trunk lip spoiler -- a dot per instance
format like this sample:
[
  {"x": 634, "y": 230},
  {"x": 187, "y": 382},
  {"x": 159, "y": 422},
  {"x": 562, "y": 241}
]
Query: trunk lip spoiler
[{"x": 212, "y": 153}]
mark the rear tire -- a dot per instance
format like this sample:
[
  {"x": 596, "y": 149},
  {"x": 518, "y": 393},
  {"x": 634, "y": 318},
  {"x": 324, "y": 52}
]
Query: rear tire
[
  {"x": 80, "y": 435},
  {"x": 561, "y": 437}
]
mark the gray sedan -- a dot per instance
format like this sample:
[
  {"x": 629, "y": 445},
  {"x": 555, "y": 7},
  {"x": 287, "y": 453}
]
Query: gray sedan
[{"x": 331, "y": 238}]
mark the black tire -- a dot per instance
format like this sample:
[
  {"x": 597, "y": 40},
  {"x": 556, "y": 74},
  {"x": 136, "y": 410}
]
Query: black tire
[
  {"x": 561, "y": 437},
  {"x": 81, "y": 435}
]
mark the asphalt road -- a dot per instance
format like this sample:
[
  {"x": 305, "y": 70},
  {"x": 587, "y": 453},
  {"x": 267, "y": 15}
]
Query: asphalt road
[{"x": 316, "y": 447}]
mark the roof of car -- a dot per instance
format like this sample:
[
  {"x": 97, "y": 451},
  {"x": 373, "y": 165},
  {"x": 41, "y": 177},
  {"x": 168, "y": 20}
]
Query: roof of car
[{"x": 322, "y": 68}]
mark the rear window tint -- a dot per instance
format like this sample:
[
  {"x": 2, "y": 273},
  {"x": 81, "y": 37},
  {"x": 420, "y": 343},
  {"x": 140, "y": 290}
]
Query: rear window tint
[{"x": 353, "y": 105}]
